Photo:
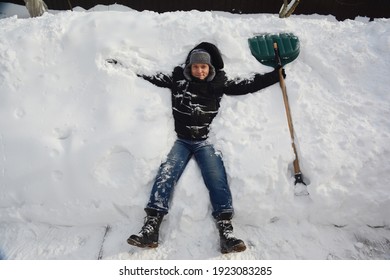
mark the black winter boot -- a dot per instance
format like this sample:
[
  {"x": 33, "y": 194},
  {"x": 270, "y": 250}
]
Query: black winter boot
[
  {"x": 229, "y": 243},
  {"x": 148, "y": 236}
]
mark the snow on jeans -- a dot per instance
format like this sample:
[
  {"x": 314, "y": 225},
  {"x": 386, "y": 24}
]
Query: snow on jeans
[{"x": 212, "y": 169}]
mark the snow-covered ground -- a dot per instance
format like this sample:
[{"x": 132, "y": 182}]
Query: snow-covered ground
[{"x": 81, "y": 140}]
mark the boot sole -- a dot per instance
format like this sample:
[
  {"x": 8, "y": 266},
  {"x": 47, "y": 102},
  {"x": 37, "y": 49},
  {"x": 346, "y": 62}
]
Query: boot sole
[
  {"x": 140, "y": 245},
  {"x": 235, "y": 249}
]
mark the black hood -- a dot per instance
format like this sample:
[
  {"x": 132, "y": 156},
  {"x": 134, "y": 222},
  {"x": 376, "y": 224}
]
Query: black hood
[{"x": 215, "y": 54}]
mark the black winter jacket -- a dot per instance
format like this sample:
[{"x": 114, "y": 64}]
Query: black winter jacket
[{"x": 195, "y": 103}]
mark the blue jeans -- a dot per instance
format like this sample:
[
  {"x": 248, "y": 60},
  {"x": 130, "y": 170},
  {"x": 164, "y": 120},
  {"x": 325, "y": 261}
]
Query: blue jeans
[{"x": 212, "y": 169}]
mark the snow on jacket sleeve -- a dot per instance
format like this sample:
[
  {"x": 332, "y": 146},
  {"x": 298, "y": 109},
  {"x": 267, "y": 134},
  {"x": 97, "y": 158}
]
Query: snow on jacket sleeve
[
  {"x": 258, "y": 82},
  {"x": 160, "y": 80}
]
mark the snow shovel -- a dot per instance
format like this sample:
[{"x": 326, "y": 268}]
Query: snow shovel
[{"x": 278, "y": 50}]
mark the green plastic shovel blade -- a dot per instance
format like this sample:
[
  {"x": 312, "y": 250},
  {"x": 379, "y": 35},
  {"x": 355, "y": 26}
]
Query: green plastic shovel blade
[{"x": 262, "y": 48}]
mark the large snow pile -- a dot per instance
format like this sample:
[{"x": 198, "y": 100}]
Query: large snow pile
[{"x": 81, "y": 140}]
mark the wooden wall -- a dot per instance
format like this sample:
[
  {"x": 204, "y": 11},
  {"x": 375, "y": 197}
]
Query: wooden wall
[{"x": 341, "y": 9}]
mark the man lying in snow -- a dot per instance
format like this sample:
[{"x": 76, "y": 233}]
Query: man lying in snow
[{"x": 197, "y": 90}]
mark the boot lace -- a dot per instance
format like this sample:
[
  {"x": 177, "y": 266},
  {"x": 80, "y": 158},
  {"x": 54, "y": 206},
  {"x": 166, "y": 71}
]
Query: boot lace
[
  {"x": 150, "y": 225},
  {"x": 226, "y": 229}
]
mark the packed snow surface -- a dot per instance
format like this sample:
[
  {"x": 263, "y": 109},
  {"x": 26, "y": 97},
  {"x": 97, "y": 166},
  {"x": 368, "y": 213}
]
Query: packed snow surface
[{"x": 81, "y": 140}]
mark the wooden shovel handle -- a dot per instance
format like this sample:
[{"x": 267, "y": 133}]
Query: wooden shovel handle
[{"x": 297, "y": 169}]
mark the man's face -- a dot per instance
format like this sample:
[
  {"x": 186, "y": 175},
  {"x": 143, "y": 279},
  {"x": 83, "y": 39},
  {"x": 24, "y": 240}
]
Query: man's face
[{"x": 200, "y": 71}]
